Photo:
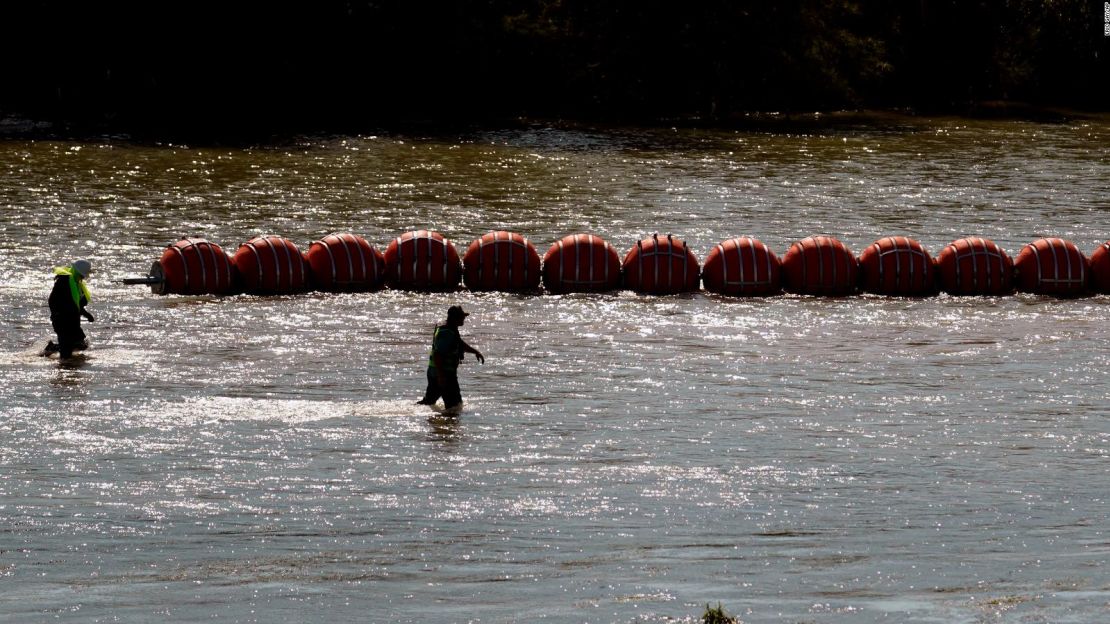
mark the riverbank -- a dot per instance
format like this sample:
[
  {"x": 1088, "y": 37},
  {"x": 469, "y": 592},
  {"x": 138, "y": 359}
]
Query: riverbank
[{"x": 236, "y": 132}]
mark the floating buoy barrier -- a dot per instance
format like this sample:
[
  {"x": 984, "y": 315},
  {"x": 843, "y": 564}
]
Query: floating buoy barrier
[
  {"x": 1100, "y": 269},
  {"x": 503, "y": 261},
  {"x": 271, "y": 265},
  {"x": 896, "y": 266},
  {"x": 191, "y": 266},
  {"x": 422, "y": 260},
  {"x": 742, "y": 267},
  {"x": 1051, "y": 266},
  {"x": 661, "y": 266},
  {"x": 581, "y": 263},
  {"x": 819, "y": 265},
  {"x": 975, "y": 266},
  {"x": 345, "y": 263}
]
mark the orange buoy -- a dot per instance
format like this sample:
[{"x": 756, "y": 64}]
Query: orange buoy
[
  {"x": 581, "y": 263},
  {"x": 1051, "y": 266},
  {"x": 271, "y": 265},
  {"x": 742, "y": 266},
  {"x": 193, "y": 266},
  {"x": 345, "y": 262},
  {"x": 975, "y": 266},
  {"x": 661, "y": 266},
  {"x": 501, "y": 261},
  {"x": 1100, "y": 269},
  {"x": 819, "y": 265},
  {"x": 897, "y": 265},
  {"x": 422, "y": 260}
]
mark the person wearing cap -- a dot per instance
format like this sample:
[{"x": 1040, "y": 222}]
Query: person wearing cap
[
  {"x": 448, "y": 349},
  {"x": 67, "y": 305}
]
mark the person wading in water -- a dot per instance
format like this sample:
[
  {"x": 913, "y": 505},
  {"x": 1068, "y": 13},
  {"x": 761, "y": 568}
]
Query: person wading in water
[
  {"x": 67, "y": 305},
  {"x": 448, "y": 349}
]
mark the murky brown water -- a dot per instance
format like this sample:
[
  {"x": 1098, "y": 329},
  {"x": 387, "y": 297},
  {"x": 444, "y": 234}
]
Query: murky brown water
[{"x": 621, "y": 458}]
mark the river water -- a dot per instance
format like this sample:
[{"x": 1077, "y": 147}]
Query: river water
[{"x": 621, "y": 458}]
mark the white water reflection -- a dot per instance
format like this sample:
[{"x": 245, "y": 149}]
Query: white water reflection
[{"x": 621, "y": 457}]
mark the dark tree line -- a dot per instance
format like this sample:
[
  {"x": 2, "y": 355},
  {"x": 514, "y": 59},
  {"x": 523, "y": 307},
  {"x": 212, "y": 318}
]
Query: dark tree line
[{"x": 239, "y": 66}]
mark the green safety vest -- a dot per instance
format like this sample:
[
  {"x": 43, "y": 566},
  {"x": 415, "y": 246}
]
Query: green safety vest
[
  {"x": 77, "y": 288},
  {"x": 431, "y": 355}
]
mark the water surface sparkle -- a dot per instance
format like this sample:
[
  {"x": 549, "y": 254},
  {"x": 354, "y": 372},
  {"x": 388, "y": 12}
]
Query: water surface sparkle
[{"x": 621, "y": 458}]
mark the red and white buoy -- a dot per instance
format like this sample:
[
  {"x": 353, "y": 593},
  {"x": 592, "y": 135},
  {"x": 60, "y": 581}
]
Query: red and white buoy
[
  {"x": 742, "y": 266},
  {"x": 191, "y": 266},
  {"x": 819, "y": 265},
  {"x": 345, "y": 262},
  {"x": 1100, "y": 269},
  {"x": 271, "y": 265},
  {"x": 975, "y": 266},
  {"x": 661, "y": 265},
  {"x": 1052, "y": 266},
  {"x": 503, "y": 261},
  {"x": 581, "y": 263},
  {"x": 896, "y": 265},
  {"x": 422, "y": 260}
]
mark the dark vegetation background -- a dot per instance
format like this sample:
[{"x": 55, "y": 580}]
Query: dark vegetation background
[{"x": 243, "y": 67}]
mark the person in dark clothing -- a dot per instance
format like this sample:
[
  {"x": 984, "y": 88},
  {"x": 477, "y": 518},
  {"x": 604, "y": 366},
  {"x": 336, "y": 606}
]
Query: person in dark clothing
[
  {"x": 448, "y": 349},
  {"x": 67, "y": 305}
]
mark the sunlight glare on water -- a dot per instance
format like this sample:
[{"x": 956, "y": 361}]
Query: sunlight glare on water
[{"x": 621, "y": 457}]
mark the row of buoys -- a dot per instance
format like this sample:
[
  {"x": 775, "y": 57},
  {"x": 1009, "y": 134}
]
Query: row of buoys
[{"x": 506, "y": 261}]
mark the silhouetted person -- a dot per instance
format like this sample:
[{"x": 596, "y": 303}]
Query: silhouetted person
[
  {"x": 67, "y": 305},
  {"x": 448, "y": 349}
]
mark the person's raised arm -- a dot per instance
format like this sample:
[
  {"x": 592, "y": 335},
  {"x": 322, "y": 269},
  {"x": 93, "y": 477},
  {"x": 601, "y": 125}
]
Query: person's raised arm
[{"x": 469, "y": 349}]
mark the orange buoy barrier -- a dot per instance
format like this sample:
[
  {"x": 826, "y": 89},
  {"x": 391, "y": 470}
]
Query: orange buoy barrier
[
  {"x": 1051, "y": 266},
  {"x": 819, "y": 265},
  {"x": 742, "y": 266},
  {"x": 345, "y": 262},
  {"x": 581, "y": 263},
  {"x": 193, "y": 266},
  {"x": 422, "y": 260},
  {"x": 975, "y": 266},
  {"x": 1100, "y": 269},
  {"x": 271, "y": 265},
  {"x": 661, "y": 266},
  {"x": 501, "y": 261},
  {"x": 896, "y": 265}
]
